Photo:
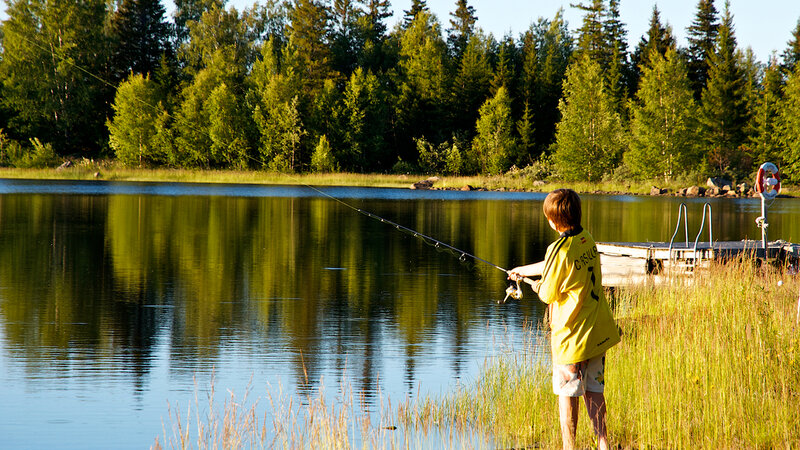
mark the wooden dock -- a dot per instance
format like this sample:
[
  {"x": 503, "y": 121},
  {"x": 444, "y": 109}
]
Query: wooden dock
[{"x": 626, "y": 263}]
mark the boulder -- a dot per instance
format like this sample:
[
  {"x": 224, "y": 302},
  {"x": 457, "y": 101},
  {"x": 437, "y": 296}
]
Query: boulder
[
  {"x": 719, "y": 183},
  {"x": 467, "y": 188},
  {"x": 682, "y": 192},
  {"x": 695, "y": 191},
  {"x": 425, "y": 184},
  {"x": 65, "y": 165},
  {"x": 742, "y": 188},
  {"x": 655, "y": 191}
]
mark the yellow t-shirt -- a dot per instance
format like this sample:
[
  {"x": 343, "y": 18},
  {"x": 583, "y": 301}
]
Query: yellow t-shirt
[{"x": 581, "y": 320}]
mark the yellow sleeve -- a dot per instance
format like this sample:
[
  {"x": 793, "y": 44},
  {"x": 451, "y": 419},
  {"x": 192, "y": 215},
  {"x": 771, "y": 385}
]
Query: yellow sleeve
[{"x": 550, "y": 289}]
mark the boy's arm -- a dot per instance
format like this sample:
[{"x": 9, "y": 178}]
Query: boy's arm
[{"x": 531, "y": 270}]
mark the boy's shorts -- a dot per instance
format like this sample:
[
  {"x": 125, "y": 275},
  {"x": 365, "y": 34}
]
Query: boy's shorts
[{"x": 573, "y": 380}]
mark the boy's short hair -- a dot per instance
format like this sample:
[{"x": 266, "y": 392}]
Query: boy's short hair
[{"x": 563, "y": 207}]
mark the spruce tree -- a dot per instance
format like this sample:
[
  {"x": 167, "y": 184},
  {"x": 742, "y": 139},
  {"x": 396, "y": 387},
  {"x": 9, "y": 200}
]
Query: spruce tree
[
  {"x": 764, "y": 135},
  {"x": 702, "y": 36},
  {"x": 346, "y": 37},
  {"x": 789, "y": 127},
  {"x": 591, "y": 39},
  {"x": 724, "y": 113},
  {"x": 422, "y": 84},
  {"x": 309, "y": 35},
  {"x": 791, "y": 56},
  {"x": 417, "y": 6},
  {"x": 462, "y": 27},
  {"x": 589, "y": 137},
  {"x": 140, "y": 37},
  {"x": 547, "y": 50},
  {"x": 663, "y": 120},
  {"x": 659, "y": 38},
  {"x": 470, "y": 86}
]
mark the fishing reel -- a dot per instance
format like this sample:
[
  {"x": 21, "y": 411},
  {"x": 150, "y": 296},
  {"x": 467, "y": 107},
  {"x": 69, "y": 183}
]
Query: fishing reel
[{"x": 514, "y": 291}]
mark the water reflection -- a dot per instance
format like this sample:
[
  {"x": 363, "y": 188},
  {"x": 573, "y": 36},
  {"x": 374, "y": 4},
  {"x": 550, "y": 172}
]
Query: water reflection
[{"x": 142, "y": 292}]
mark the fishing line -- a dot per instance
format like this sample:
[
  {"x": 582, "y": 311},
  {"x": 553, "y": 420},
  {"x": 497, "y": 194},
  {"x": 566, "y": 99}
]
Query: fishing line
[{"x": 512, "y": 291}]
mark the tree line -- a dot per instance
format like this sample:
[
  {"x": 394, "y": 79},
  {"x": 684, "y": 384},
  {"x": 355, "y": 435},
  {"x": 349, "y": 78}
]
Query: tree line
[{"x": 325, "y": 85}]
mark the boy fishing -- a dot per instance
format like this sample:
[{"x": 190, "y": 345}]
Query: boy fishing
[{"x": 582, "y": 326}]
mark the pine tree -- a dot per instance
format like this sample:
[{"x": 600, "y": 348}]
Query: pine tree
[
  {"x": 662, "y": 123},
  {"x": 764, "y": 135},
  {"x": 789, "y": 127},
  {"x": 589, "y": 138},
  {"x": 141, "y": 37},
  {"x": 702, "y": 35},
  {"x": 495, "y": 143},
  {"x": 724, "y": 113},
  {"x": 462, "y": 27},
  {"x": 791, "y": 56}
]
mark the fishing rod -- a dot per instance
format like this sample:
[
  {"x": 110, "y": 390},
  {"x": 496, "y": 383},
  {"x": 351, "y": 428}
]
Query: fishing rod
[{"x": 514, "y": 290}]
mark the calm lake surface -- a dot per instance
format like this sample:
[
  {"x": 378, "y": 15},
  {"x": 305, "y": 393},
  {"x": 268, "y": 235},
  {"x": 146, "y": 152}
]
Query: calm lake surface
[{"x": 118, "y": 300}]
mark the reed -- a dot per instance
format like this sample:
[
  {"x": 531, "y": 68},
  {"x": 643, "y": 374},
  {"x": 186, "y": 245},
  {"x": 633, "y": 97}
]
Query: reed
[{"x": 709, "y": 362}]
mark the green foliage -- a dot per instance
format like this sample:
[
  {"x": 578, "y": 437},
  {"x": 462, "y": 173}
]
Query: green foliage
[
  {"x": 228, "y": 129},
  {"x": 141, "y": 37},
  {"x": 38, "y": 156},
  {"x": 724, "y": 114},
  {"x": 589, "y": 137},
  {"x": 364, "y": 116},
  {"x": 48, "y": 48},
  {"x": 495, "y": 144},
  {"x": 764, "y": 135},
  {"x": 470, "y": 87},
  {"x": 789, "y": 127},
  {"x": 137, "y": 108},
  {"x": 322, "y": 160},
  {"x": 663, "y": 141},
  {"x": 702, "y": 35}
]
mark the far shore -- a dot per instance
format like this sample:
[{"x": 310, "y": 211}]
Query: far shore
[{"x": 507, "y": 182}]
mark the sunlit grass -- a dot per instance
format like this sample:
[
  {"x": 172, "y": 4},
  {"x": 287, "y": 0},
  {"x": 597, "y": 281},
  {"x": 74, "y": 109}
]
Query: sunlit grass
[
  {"x": 112, "y": 171},
  {"x": 713, "y": 362}
]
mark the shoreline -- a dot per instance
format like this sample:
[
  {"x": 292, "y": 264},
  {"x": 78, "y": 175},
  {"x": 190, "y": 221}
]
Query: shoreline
[{"x": 89, "y": 171}]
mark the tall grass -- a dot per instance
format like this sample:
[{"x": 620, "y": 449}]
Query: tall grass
[{"x": 709, "y": 362}]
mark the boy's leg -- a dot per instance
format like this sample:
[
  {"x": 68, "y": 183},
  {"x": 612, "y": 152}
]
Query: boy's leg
[
  {"x": 596, "y": 407},
  {"x": 568, "y": 412}
]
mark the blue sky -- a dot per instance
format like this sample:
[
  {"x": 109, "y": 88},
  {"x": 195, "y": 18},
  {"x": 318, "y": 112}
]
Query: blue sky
[{"x": 764, "y": 25}]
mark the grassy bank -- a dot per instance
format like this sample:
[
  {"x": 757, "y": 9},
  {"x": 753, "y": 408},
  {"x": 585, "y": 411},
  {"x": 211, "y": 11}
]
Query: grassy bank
[
  {"x": 111, "y": 171},
  {"x": 713, "y": 363}
]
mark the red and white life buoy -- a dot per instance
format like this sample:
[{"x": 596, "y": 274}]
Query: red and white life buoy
[{"x": 768, "y": 180}]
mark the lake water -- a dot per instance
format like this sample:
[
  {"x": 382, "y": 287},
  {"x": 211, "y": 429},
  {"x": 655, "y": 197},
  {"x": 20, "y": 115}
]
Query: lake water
[{"x": 121, "y": 300}]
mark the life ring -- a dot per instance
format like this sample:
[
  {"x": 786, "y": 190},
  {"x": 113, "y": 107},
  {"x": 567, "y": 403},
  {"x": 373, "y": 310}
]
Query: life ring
[{"x": 768, "y": 186}]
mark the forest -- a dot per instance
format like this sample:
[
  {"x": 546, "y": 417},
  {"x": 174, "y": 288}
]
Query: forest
[{"x": 326, "y": 86}]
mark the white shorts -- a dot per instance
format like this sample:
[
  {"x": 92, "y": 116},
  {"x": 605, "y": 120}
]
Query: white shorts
[{"x": 573, "y": 380}]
